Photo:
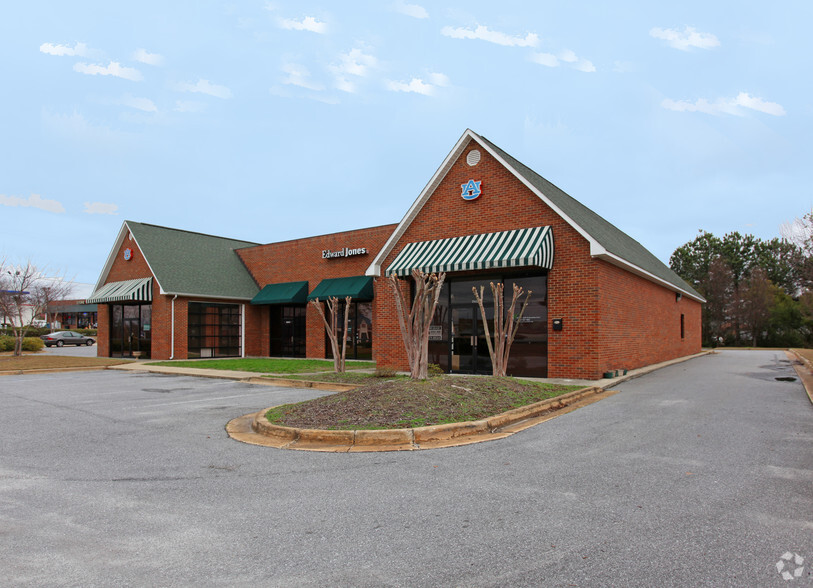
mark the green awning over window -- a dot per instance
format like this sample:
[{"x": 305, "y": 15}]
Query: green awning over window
[
  {"x": 138, "y": 290},
  {"x": 286, "y": 293},
  {"x": 518, "y": 248},
  {"x": 357, "y": 287}
]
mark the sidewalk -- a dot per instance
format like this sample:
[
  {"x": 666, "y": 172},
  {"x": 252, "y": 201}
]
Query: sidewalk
[{"x": 282, "y": 379}]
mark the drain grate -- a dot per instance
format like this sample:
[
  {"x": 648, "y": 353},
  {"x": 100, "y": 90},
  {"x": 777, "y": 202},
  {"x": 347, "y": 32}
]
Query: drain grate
[{"x": 786, "y": 379}]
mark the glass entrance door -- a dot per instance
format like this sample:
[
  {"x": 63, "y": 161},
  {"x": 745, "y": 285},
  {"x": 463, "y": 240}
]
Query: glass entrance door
[{"x": 469, "y": 346}]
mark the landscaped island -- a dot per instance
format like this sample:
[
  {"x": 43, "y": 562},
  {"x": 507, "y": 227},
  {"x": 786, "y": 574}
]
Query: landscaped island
[{"x": 395, "y": 403}]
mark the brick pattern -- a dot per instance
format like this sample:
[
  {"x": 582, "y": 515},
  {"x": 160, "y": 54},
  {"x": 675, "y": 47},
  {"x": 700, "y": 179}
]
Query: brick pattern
[
  {"x": 580, "y": 289},
  {"x": 612, "y": 318},
  {"x": 301, "y": 259}
]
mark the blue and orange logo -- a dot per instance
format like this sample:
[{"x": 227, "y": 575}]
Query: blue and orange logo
[{"x": 471, "y": 190}]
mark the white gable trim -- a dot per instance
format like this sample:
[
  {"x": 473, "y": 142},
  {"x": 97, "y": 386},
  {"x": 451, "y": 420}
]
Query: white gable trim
[
  {"x": 124, "y": 233},
  {"x": 375, "y": 267},
  {"x": 597, "y": 250}
]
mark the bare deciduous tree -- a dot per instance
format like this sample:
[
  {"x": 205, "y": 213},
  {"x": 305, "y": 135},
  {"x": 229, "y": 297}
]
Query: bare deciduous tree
[
  {"x": 756, "y": 301},
  {"x": 415, "y": 322},
  {"x": 505, "y": 328},
  {"x": 25, "y": 293},
  {"x": 332, "y": 328}
]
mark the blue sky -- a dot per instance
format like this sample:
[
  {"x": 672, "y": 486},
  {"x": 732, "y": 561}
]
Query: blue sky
[{"x": 268, "y": 121}]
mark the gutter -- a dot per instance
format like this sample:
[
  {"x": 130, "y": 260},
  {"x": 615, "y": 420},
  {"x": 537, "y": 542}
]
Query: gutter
[{"x": 172, "y": 348}]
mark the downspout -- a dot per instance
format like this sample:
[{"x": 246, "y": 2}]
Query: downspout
[
  {"x": 242, "y": 330},
  {"x": 172, "y": 348}
]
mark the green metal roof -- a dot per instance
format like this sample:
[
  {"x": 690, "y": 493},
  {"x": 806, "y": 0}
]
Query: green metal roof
[
  {"x": 357, "y": 287},
  {"x": 184, "y": 262},
  {"x": 609, "y": 236},
  {"x": 517, "y": 248},
  {"x": 287, "y": 293}
]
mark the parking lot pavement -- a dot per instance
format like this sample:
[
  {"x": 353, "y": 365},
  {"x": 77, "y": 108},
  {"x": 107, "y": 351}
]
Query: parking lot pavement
[
  {"x": 698, "y": 474},
  {"x": 72, "y": 350}
]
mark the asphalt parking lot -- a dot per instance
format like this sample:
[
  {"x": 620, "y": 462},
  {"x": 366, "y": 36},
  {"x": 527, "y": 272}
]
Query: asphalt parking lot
[{"x": 698, "y": 474}]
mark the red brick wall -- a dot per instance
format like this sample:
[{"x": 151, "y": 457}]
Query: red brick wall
[
  {"x": 640, "y": 321},
  {"x": 505, "y": 204},
  {"x": 300, "y": 260},
  {"x": 161, "y": 328},
  {"x": 594, "y": 300}
]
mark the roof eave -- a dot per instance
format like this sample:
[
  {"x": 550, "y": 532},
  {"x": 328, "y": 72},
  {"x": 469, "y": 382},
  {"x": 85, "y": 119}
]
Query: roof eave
[{"x": 634, "y": 269}]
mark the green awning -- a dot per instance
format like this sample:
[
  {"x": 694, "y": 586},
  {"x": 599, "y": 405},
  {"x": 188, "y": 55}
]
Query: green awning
[
  {"x": 357, "y": 287},
  {"x": 518, "y": 248},
  {"x": 286, "y": 293},
  {"x": 138, "y": 290}
]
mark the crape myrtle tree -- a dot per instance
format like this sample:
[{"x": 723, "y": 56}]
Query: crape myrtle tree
[
  {"x": 25, "y": 293},
  {"x": 505, "y": 328},
  {"x": 416, "y": 318},
  {"x": 331, "y": 323}
]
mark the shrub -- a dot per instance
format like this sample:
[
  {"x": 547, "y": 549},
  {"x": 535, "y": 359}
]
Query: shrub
[
  {"x": 433, "y": 370},
  {"x": 6, "y": 343},
  {"x": 32, "y": 344},
  {"x": 384, "y": 372}
]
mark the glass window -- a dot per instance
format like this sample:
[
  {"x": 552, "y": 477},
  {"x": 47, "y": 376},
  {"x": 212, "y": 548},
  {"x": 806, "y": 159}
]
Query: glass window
[{"x": 213, "y": 330}]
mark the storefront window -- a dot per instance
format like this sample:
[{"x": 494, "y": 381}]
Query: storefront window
[
  {"x": 359, "y": 331},
  {"x": 130, "y": 330},
  {"x": 457, "y": 334},
  {"x": 213, "y": 330},
  {"x": 288, "y": 330}
]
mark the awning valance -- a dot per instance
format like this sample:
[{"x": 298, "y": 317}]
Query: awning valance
[
  {"x": 286, "y": 293},
  {"x": 518, "y": 248},
  {"x": 357, "y": 287},
  {"x": 138, "y": 290}
]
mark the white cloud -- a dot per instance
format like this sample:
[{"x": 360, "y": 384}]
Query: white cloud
[
  {"x": 415, "y": 85},
  {"x": 144, "y": 56},
  {"x": 78, "y": 50},
  {"x": 731, "y": 106},
  {"x": 439, "y": 79},
  {"x": 758, "y": 104},
  {"x": 189, "y": 106},
  {"x": 413, "y": 10},
  {"x": 355, "y": 62},
  {"x": 418, "y": 86},
  {"x": 76, "y": 127},
  {"x": 205, "y": 87},
  {"x": 685, "y": 39},
  {"x": 585, "y": 66},
  {"x": 546, "y": 59},
  {"x": 298, "y": 75},
  {"x": 100, "y": 208},
  {"x": 484, "y": 34},
  {"x": 309, "y": 23},
  {"x": 144, "y": 104},
  {"x": 345, "y": 85},
  {"x": 33, "y": 201},
  {"x": 114, "y": 68},
  {"x": 565, "y": 56}
]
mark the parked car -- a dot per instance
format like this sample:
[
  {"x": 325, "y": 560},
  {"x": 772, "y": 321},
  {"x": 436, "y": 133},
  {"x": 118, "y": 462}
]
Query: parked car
[{"x": 61, "y": 338}]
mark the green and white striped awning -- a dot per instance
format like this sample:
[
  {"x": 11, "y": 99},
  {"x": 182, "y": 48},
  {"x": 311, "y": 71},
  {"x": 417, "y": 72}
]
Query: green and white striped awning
[
  {"x": 139, "y": 290},
  {"x": 518, "y": 248}
]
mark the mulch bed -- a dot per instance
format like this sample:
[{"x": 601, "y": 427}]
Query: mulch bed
[{"x": 403, "y": 403}]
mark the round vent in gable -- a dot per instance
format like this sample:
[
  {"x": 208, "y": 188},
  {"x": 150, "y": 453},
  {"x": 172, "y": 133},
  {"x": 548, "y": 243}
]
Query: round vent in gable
[{"x": 473, "y": 158}]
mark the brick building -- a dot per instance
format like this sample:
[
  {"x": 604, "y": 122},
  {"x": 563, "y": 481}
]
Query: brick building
[{"x": 599, "y": 299}]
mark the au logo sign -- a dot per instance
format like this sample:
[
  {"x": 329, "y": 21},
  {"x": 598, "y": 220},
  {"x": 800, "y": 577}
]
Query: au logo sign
[{"x": 471, "y": 190}]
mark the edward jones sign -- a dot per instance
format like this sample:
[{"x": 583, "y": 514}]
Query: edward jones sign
[{"x": 344, "y": 252}]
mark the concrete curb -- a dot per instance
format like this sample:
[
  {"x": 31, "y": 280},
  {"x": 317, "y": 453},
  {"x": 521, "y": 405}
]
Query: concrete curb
[
  {"x": 804, "y": 369},
  {"x": 90, "y": 368},
  {"x": 255, "y": 429},
  {"x": 411, "y": 438}
]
